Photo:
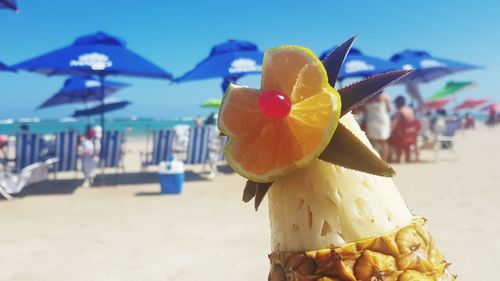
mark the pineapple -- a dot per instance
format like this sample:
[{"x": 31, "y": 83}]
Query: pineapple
[
  {"x": 333, "y": 223},
  {"x": 337, "y": 216}
]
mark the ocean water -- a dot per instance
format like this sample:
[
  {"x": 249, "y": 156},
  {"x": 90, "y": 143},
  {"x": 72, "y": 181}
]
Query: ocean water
[{"x": 136, "y": 127}]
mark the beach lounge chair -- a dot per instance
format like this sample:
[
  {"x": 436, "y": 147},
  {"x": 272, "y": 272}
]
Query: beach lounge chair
[
  {"x": 162, "y": 148},
  {"x": 65, "y": 149},
  {"x": 112, "y": 150},
  {"x": 28, "y": 148},
  {"x": 206, "y": 147},
  {"x": 446, "y": 141},
  {"x": 14, "y": 183},
  {"x": 198, "y": 150}
]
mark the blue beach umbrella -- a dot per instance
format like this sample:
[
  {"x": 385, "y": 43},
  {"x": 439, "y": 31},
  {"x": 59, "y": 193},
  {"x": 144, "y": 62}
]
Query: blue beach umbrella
[
  {"x": 98, "y": 54},
  {"x": 8, "y": 4},
  {"x": 101, "y": 108},
  {"x": 82, "y": 89},
  {"x": 4, "y": 67},
  {"x": 230, "y": 61},
  {"x": 426, "y": 68},
  {"x": 358, "y": 64}
]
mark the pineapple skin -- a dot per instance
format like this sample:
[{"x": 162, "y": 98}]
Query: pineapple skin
[{"x": 406, "y": 254}]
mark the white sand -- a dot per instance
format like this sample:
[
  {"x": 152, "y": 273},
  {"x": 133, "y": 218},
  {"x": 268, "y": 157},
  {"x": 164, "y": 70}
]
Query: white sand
[{"x": 129, "y": 232}]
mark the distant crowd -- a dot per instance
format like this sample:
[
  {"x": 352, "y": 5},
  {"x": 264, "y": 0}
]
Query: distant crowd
[{"x": 405, "y": 132}]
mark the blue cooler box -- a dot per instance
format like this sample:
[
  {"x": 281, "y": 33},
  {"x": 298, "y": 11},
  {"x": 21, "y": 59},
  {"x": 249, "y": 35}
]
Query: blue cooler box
[{"x": 171, "y": 177}]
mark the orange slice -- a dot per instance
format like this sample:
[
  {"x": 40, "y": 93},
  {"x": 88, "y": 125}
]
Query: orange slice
[{"x": 263, "y": 148}]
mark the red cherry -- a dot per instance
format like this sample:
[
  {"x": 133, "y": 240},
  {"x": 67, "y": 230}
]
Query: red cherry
[{"x": 274, "y": 104}]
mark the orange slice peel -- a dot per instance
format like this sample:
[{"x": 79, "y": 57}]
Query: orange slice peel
[{"x": 285, "y": 124}]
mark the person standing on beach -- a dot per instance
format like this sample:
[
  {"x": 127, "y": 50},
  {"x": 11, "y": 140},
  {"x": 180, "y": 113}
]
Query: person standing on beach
[
  {"x": 440, "y": 122},
  {"x": 404, "y": 130},
  {"x": 492, "y": 116},
  {"x": 198, "y": 122},
  {"x": 378, "y": 123},
  {"x": 24, "y": 129},
  {"x": 4, "y": 157},
  {"x": 469, "y": 122},
  {"x": 210, "y": 121},
  {"x": 90, "y": 132},
  {"x": 87, "y": 152}
]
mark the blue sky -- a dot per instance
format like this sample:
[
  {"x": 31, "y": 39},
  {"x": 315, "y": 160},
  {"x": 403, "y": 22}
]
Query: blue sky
[{"x": 178, "y": 34}]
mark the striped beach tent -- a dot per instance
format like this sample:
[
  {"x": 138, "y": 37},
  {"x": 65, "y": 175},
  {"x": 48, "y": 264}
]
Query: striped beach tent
[
  {"x": 198, "y": 145},
  {"x": 28, "y": 147},
  {"x": 66, "y": 146},
  {"x": 111, "y": 150}
]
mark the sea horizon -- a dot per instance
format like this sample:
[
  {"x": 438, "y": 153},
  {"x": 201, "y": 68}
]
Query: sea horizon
[{"x": 134, "y": 125}]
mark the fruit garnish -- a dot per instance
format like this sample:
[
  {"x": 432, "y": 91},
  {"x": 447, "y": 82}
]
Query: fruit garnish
[
  {"x": 275, "y": 104},
  {"x": 285, "y": 124},
  {"x": 277, "y": 129},
  {"x": 357, "y": 93},
  {"x": 340, "y": 222},
  {"x": 255, "y": 190},
  {"x": 345, "y": 150}
]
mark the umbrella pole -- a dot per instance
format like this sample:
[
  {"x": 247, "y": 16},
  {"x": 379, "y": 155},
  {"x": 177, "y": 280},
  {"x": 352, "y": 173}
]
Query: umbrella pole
[
  {"x": 103, "y": 131},
  {"x": 454, "y": 100},
  {"x": 85, "y": 104},
  {"x": 413, "y": 91}
]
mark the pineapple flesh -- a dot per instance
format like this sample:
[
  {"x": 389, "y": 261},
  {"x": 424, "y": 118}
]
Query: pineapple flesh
[
  {"x": 358, "y": 223},
  {"x": 324, "y": 205}
]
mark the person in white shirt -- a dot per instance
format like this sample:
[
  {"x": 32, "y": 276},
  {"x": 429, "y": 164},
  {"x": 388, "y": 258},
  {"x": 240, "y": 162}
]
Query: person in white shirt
[
  {"x": 378, "y": 123},
  {"x": 87, "y": 152}
]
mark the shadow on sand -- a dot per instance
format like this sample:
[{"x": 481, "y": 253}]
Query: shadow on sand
[
  {"x": 153, "y": 193},
  {"x": 68, "y": 186},
  {"x": 225, "y": 169},
  {"x": 51, "y": 187},
  {"x": 110, "y": 180},
  {"x": 189, "y": 176}
]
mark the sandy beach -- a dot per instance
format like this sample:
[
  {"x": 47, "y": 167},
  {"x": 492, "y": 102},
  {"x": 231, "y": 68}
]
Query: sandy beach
[{"x": 126, "y": 230}]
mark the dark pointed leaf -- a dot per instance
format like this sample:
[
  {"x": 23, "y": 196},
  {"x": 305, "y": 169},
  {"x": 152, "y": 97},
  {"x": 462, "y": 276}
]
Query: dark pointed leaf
[
  {"x": 249, "y": 191},
  {"x": 255, "y": 190},
  {"x": 346, "y": 150},
  {"x": 262, "y": 189},
  {"x": 357, "y": 93},
  {"x": 334, "y": 60}
]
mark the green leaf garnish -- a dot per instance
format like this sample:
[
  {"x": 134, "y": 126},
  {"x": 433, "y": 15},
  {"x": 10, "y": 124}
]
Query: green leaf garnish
[{"x": 347, "y": 151}]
